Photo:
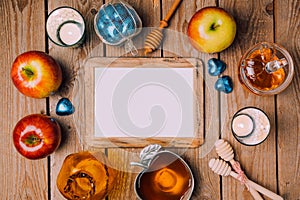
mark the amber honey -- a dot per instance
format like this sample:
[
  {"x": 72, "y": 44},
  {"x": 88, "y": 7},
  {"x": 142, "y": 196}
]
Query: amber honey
[
  {"x": 255, "y": 70},
  {"x": 166, "y": 178},
  {"x": 85, "y": 175}
]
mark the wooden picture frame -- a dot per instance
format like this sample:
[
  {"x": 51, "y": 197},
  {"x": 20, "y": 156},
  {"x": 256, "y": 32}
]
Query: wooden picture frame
[{"x": 91, "y": 139}]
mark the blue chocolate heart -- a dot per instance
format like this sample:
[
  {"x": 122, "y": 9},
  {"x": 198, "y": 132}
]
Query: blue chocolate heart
[
  {"x": 64, "y": 107},
  {"x": 215, "y": 66},
  {"x": 224, "y": 84}
]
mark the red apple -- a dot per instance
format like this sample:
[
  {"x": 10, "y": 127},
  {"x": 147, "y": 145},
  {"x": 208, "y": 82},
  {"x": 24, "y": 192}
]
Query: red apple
[
  {"x": 36, "y": 74},
  {"x": 36, "y": 136},
  {"x": 211, "y": 30}
]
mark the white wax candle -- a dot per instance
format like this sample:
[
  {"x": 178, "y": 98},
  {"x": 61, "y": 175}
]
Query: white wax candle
[
  {"x": 242, "y": 125},
  {"x": 70, "y": 33}
]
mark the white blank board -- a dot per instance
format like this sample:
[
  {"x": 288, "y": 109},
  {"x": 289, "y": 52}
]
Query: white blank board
[{"x": 144, "y": 102}]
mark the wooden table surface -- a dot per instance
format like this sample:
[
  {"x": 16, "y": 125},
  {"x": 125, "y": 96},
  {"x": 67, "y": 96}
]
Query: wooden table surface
[{"x": 274, "y": 164}]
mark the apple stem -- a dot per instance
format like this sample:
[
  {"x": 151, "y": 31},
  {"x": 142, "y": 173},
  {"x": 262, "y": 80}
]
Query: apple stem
[
  {"x": 214, "y": 26},
  {"x": 32, "y": 140},
  {"x": 27, "y": 71}
]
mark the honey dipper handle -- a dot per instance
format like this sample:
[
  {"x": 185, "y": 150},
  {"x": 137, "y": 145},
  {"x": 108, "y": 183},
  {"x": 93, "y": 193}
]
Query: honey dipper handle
[
  {"x": 255, "y": 194},
  {"x": 264, "y": 191},
  {"x": 259, "y": 188},
  {"x": 170, "y": 13},
  {"x": 252, "y": 191}
]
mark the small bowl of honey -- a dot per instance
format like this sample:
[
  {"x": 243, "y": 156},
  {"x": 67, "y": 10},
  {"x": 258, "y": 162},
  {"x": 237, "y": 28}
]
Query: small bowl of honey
[
  {"x": 165, "y": 175},
  {"x": 266, "y": 69}
]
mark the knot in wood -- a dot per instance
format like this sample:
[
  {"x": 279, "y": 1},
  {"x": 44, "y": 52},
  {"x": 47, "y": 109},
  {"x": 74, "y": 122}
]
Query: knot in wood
[
  {"x": 270, "y": 9},
  {"x": 93, "y": 11}
]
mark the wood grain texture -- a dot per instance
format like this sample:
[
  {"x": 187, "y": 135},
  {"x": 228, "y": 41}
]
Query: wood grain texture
[
  {"x": 259, "y": 162},
  {"x": 287, "y": 34},
  {"x": 22, "y": 30},
  {"x": 71, "y": 61},
  {"x": 120, "y": 158}
]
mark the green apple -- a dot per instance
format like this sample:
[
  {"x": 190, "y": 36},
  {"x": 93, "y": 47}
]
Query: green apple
[{"x": 211, "y": 30}]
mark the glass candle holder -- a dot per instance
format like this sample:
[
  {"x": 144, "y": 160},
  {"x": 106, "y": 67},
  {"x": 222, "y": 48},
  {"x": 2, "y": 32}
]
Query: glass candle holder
[
  {"x": 250, "y": 126},
  {"x": 65, "y": 27}
]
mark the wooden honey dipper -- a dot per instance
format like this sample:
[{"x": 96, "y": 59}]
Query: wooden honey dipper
[
  {"x": 222, "y": 168},
  {"x": 225, "y": 151},
  {"x": 154, "y": 38}
]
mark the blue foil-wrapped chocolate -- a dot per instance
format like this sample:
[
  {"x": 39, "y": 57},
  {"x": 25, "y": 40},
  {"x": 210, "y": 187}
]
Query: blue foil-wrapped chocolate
[
  {"x": 224, "y": 84},
  {"x": 215, "y": 66},
  {"x": 117, "y": 22},
  {"x": 64, "y": 107}
]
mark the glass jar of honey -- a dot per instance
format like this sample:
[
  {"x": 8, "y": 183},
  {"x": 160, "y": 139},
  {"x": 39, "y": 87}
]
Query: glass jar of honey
[
  {"x": 266, "y": 69},
  {"x": 86, "y": 175}
]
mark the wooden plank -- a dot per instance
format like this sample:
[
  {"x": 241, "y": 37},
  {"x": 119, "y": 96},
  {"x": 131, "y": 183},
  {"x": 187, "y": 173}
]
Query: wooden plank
[
  {"x": 206, "y": 184},
  {"x": 259, "y": 162},
  {"x": 288, "y": 102},
  {"x": 23, "y": 30},
  {"x": 71, "y": 60}
]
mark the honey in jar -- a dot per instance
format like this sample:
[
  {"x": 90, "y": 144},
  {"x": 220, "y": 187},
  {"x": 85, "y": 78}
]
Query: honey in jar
[
  {"x": 166, "y": 178},
  {"x": 86, "y": 175},
  {"x": 266, "y": 69}
]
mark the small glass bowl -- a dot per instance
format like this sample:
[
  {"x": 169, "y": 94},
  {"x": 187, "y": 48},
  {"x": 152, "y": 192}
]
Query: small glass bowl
[
  {"x": 65, "y": 27},
  {"x": 116, "y": 23},
  {"x": 278, "y": 52}
]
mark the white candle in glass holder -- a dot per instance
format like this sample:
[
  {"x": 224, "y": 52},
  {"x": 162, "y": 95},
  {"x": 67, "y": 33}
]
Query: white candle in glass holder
[
  {"x": 242, "y": 125},
  {"x": 65, "y": 27},
  {"x": 70, "y": 33}
]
